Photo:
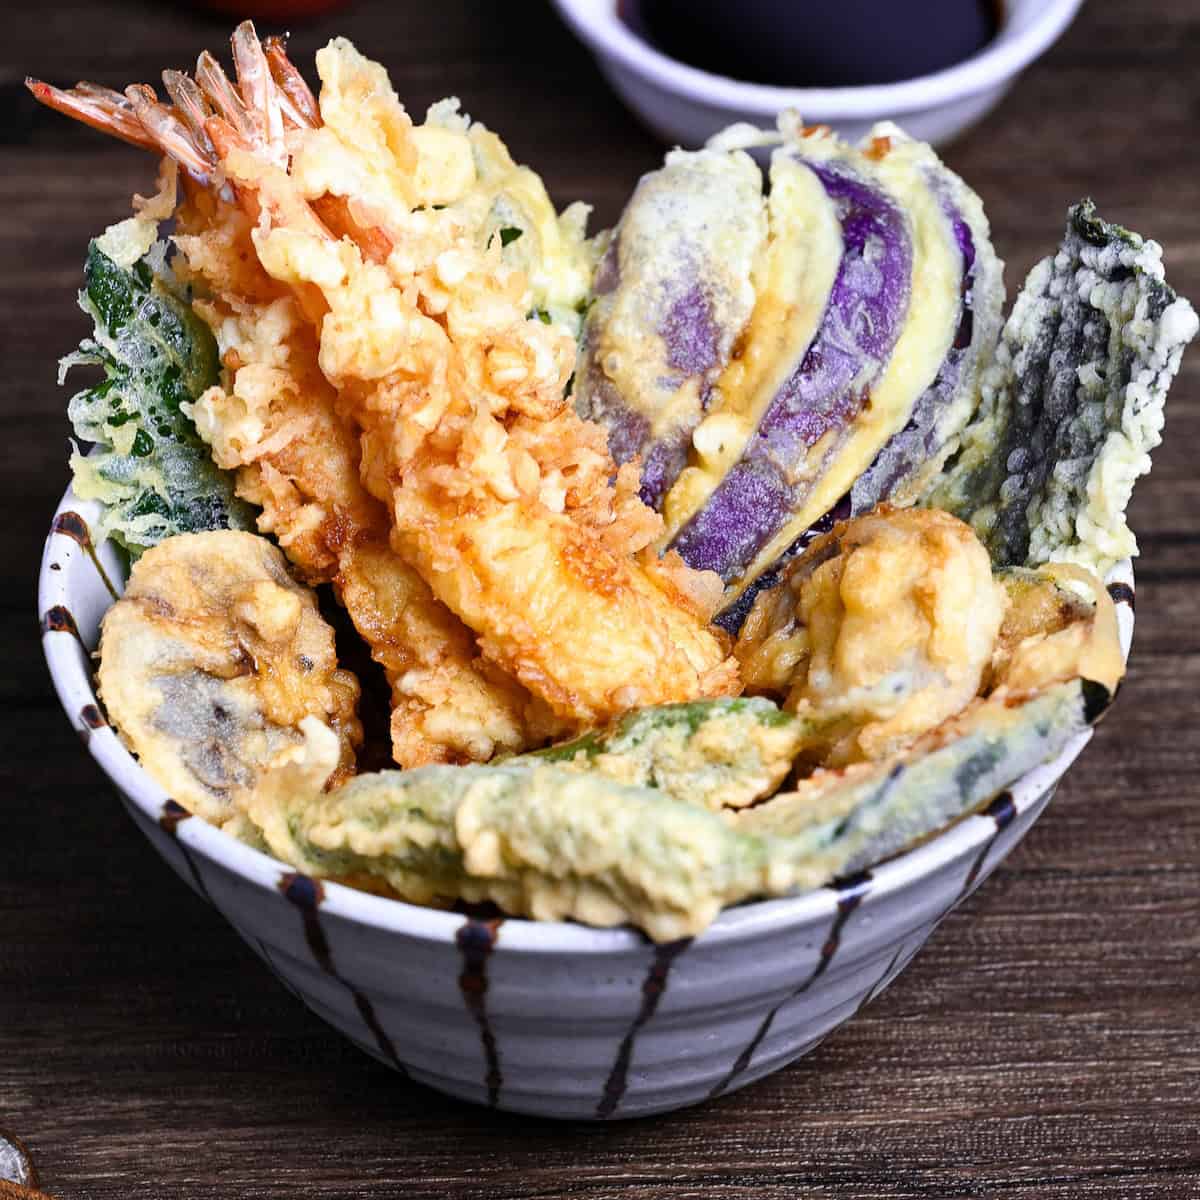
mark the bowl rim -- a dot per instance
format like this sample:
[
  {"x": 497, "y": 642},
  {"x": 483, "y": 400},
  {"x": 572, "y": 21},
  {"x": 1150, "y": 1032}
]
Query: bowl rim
[
  {"x": 598, "y": 24},
  {"x": 65, "y": 562}
]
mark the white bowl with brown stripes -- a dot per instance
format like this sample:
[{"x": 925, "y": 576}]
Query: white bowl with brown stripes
[{"x": 554, "y": 1019}]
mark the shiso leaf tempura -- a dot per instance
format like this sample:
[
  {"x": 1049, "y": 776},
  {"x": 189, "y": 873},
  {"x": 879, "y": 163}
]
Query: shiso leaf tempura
[{"x": 148, "y": 465}]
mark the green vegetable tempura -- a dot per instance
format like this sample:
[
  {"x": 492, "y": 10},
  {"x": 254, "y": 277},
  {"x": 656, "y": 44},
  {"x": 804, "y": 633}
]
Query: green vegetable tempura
[{"x": 148, "y": 465}]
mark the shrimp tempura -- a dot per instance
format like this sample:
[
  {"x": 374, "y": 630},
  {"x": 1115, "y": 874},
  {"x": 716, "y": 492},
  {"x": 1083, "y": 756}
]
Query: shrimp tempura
[{"x": 446, "y": 353}]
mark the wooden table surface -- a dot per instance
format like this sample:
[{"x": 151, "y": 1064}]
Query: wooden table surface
[{"x": 1046, "y": 1043}]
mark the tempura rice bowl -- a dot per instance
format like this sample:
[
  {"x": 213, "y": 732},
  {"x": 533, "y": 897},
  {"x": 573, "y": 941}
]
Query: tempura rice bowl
[{"x": 548, "y": 1018}]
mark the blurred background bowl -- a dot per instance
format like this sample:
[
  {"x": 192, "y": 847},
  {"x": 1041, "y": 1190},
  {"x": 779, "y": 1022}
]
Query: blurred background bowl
[{"x": 685, "y": 104}]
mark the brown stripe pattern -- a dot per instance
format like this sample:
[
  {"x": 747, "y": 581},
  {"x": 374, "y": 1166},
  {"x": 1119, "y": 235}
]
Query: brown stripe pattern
[
  {"x": 58, "y": 619},
  {"x": 476, "y": 939},
  {"x": 880, "y": 983},
  {"x": 307, "y": 895},
  {"x": 1002, "y": 810},
  {"x": 92, "y": 717},
  {"x": 172, "y": 816},
  {"x": 1121, "y": 593},
  {"x": 653, "y": 987},
  {"x": 269, "y": 959},
  {"x": 850, "y": 895},
  {"x": 72, "y": 525}
]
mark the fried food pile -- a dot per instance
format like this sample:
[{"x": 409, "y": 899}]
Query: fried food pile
[
  {"x": 620, "y": 826},
  {"x": 551, "y": 479},
  {"x": 394, "y": 400}
]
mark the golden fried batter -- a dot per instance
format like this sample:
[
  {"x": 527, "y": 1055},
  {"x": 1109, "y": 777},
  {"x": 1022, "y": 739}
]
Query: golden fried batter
[
  {"x": 396, "y": 307},
  {"x": 448, "y": 705},
  {"x": 299, "y": 460},
  {"x": 881, "y": 630},
  {"x": 500, "y": 496},
  {"x": 1060, "y": 624},
  {"x": 210, "y": 662}
]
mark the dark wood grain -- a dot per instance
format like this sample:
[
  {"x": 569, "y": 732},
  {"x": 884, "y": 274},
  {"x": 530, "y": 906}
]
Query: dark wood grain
[{"x": 1047, "y": 1043}]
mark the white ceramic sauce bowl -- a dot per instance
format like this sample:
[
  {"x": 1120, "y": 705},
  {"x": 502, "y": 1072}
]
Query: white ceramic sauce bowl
[
  {"x": 554, "y": 1019},
  {"x": 685, "y": 106}
]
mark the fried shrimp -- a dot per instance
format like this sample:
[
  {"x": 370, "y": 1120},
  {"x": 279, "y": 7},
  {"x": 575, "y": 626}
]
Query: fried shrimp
[
  {"x": 449, "y": 705},
  {"x": 299, "y": 461},
  {"x": 274, "y": 421},
  {"x": 443, "y": 349},
  {"x": 499, "y": 493},
  {"x": 211, "y": 661}
]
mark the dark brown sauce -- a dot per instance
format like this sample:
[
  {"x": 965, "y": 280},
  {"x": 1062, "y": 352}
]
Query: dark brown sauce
[{"x": 790, "y": 44}]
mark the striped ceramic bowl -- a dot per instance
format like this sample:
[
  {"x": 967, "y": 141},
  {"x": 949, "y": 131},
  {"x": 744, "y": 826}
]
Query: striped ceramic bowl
[{"x": 554, "y": 1019}]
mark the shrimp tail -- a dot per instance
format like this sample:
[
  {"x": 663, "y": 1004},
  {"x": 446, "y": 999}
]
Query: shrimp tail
[
  {"x": 267, "y": 97},
  {"x": 99, "y": 107},
  {"x": 296, "y": 99}
]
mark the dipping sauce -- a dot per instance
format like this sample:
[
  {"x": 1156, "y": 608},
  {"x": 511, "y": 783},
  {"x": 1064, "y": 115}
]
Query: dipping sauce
[{"x": 816, "y": 43}]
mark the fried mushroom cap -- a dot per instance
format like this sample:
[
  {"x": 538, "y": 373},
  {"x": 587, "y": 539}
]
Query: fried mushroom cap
[
  {"x": 880, "y": 631},
  {"x": 211, "y": 660}
]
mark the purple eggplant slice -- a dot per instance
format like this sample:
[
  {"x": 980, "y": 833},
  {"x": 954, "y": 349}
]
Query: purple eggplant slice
[
  {"x": 912, "y": 457},
  {"x": 807, "y": 419},
  {"x": 858, "y": 297},
  {"x": 672, "y": 295},
  {"x": 1072, "y": 404},
  {"x": 831, "y": 443}
]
